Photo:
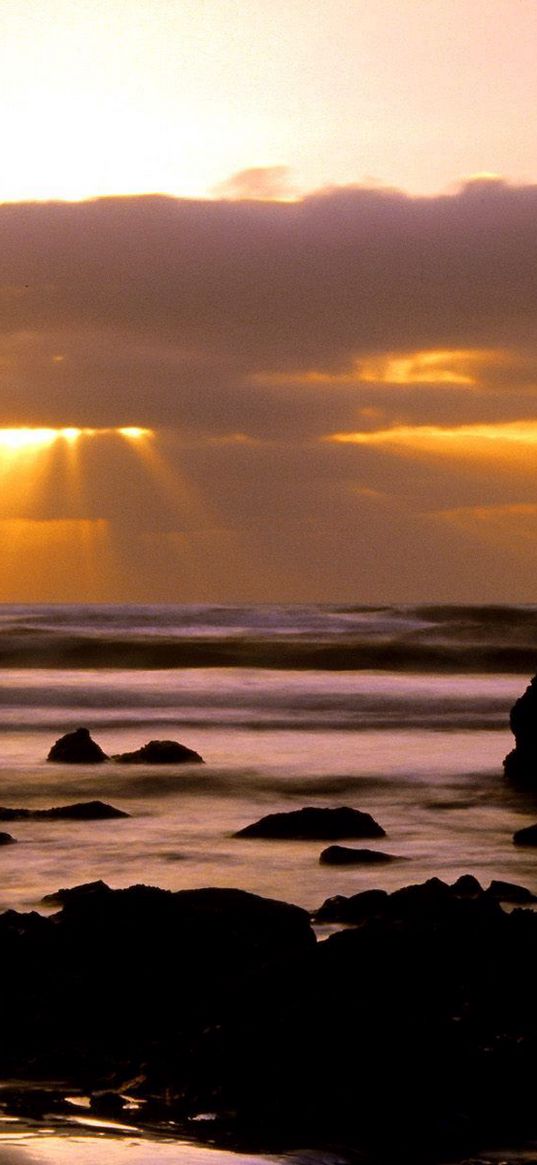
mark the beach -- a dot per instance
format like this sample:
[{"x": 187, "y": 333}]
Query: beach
[{"x": 420, "y": 748}]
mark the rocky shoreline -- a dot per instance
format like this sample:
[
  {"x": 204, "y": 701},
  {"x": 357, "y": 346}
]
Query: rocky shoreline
[
  {"x": 415, "y": 1028},
  {"x": 408, "y": 1034}
]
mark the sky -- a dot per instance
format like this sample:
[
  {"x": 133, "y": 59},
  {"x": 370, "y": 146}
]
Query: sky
[{"x": 268, "y": 301}]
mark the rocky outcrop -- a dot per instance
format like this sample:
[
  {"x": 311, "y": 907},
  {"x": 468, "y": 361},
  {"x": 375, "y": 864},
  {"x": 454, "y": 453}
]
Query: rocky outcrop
[
  {"x": 217, "y": 1001},
  {"x": 433, "y": 898},
  {"x": 77, "y": 748},
  {"x": 6, "y": 839},
  {"x": 80, "y": 811},
  {"x": 342, "y": 855},
  {"x": 520, "y": 765},
  {"x": 526, "y": 836},
  {"x": 314, "y": 824},
  {"x": 160, "y": 752}
]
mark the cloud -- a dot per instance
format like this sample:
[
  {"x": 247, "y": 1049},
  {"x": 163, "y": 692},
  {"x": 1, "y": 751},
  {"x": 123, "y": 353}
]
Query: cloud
[
  {"x": 247, "y": 332},
  {"x": 170, "y": 311}
]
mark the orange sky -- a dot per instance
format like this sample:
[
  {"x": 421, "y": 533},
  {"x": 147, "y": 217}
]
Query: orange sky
[{"x": 328, "y": 332}]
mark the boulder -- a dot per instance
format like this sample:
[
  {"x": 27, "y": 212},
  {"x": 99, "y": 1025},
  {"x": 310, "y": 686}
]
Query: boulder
[
  {"x": 520, "y": 765},
  {"x": 217, "y": 1001},
  {"x": 526, "y": 836},
  {"x": 80, "y": 811},
  {"x": 6, "y": 839},
  {"x": 510, "y": 892},
  {"x": 77, "y": 748},
  {"x": 342, "y": 855},
  {"x": 314, "y": 824},
  {"x": 160, "y": 752},
  {"x": 467, "y": 886},
  {"x": 353, "y": 910}
]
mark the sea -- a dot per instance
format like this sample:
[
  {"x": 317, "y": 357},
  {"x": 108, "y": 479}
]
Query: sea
[{"x": 399, "y": 711}]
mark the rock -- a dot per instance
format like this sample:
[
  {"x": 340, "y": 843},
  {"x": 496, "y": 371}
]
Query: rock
[
  {"x": 77, "y": 748},
  {"x": 314, "y": 824},
  {"x": 520, "y": 765},
  {"x": 467, "y": 885},
  {"x": 526, "y": 836},
  {"x": 353, "y": 910},
  {"x": 80, "y": 811},
  {"x": 75, "y": 894},
  {"x": 160, "y": 752},
  {"x": 510, "y": 892},
  {"x": 217, "y": 1001},
  {"x": 6, "y": 839},
  {"x": 341, "y": 855}
]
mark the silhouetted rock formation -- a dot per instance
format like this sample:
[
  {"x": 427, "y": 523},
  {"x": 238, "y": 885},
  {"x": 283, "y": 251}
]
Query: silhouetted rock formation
[
  {"x": 526, "y": 836},
  {"x": 160, "y": 752},
  {"x": 219, "y": 1001},
  {"x": 74, "y": 894},
  {"x": 314, "y": 824},
  {"x": 6, "y": 839},
  {"x": 77, "y": 748},
  {"x": 80, "y": 811},
  {"x": 426, "y": 899},
  {"x": 520, "y": 765},
  {"x": 342, "y": 855}
]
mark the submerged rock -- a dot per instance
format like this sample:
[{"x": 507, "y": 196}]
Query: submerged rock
[
  {"x": 520, "y": 765},
  {"x": 160, "y": 752},
  {"x": 80, "y": 811},
  {"x": 77, "y": 748},
  {"x": 314, "y": 824},
  {"x": 341, "y": 855},
  {"x": 6, "y": 839},
  {"x": 526, "y": 836}
]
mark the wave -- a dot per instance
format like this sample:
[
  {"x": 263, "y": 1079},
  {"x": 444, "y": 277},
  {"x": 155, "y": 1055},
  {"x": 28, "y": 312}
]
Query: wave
[
  {"x": 110, "y": 652},
  {"x": 420, "y": 638}
]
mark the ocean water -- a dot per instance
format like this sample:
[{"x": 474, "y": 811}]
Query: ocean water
[{"x": 400, "y": 712}]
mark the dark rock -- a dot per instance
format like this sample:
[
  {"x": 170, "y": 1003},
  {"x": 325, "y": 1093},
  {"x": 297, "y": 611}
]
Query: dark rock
[
  {"x": 219, "y": 1001},
  {"x": 520, "y": 765},
  {"x": 160, "y": 752},
  {"x": 6, "y": 839},
  {"x": 353, "y": 910},
  {"x": 526, "y": 836},
  {"x": 109, "y": 1104},
  {"x": 75, "y": 894},
  {"x": 77, "y": 748},
  {"x": 341, "y": 855},
  {"x": 81, "y": 811},
  {"x": 467, "y": 885},
  {"x": 314, "y": 824},
  {"x": 510, "y": 892}
]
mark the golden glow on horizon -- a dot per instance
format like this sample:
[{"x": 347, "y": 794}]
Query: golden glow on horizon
[
  {"x": 508, "y": 527},
  {"x": 38, "y": 556},
  {"x": 481, "y": 440}
]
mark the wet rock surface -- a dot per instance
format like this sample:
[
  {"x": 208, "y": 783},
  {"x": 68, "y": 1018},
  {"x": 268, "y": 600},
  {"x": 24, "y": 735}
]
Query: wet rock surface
[
  {"x": 80, "y": 811},
  {"x": 160, "y": 752},
  {"x": 526, "y": 836},
  {"x": 219, "y": 1001},
  {"x": 314, "y": 824},
  {"x": 342, "y": 855},
  {"x": 520, "y": 765},
  {"x": 77, "y": 748}
]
